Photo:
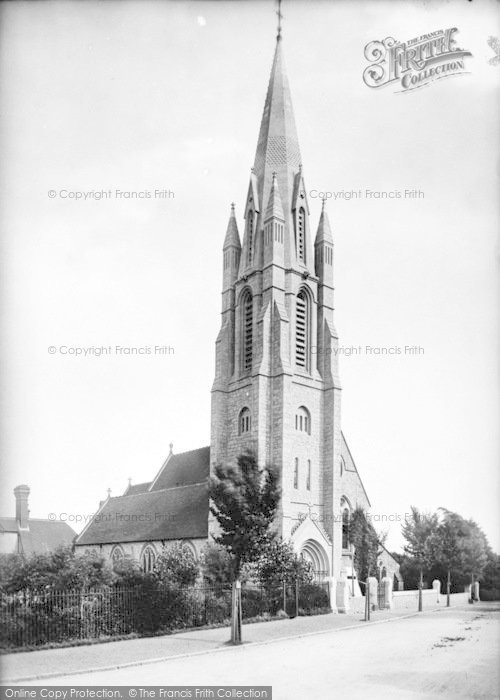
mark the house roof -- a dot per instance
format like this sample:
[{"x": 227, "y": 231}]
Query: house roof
[
  {"x": 41, "y": 536},
  {"x": 160, "y": 514}
]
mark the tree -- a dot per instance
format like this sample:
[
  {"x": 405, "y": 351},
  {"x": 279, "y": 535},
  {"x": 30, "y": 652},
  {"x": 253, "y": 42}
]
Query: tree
[
  {"x": 444, "y": 548},
  {"x": 366, "y": 543},
  {"x": 58, "y": 570},
  {"x": 244, "y": 502},
  {"x": 417, "y": 530},
  {"x": 279, "y": 563}
]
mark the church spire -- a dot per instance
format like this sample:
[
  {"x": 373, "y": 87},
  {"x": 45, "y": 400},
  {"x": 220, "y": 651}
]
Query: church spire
[{"x": 278, "y": 146}]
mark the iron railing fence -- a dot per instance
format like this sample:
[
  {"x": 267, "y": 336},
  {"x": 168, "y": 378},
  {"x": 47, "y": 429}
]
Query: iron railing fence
[{"x": 35, "y": 618}]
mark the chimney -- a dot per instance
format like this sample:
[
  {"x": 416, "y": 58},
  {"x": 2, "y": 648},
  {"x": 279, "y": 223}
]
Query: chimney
[{"x": 21, "y": 493}]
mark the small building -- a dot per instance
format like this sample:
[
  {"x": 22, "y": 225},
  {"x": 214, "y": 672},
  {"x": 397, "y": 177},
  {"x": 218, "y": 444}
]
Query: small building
[{"x": 25, "y": 535}]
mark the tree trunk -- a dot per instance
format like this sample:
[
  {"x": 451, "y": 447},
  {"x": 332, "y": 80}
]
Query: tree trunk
[
  {"x": 448, "y": 586},
  {"x": 420, "y": 587}
]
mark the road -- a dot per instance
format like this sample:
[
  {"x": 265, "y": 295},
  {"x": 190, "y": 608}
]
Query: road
[{"x": 450, "y": 654}]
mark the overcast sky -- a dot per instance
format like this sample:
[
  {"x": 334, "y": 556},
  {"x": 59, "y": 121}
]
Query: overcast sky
[{"x": 145, "y": 96}]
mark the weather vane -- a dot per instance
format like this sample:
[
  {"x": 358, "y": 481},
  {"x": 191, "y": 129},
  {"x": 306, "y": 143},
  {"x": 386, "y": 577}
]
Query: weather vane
[{"x": 280, "y": 17}]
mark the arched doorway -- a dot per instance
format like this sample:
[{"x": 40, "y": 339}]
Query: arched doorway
[{"x": 314, "y": 553}]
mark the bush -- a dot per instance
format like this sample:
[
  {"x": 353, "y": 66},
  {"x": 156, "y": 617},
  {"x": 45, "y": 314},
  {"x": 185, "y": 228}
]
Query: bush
[
  {"x": 176, "y": 565},
  {"x": 313, "y": 597},
  {"x": 489, "y": 594}
]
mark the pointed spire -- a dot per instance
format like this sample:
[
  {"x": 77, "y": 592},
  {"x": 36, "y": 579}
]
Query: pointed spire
[
  {"x": 274, "y": 206},
  {"x": 232, "y": 236},
  {"x": 324, "y": 233},
  {"x": 278, "y": 146}
]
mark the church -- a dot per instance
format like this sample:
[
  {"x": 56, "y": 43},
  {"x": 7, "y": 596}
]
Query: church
[{"x": 276, "y": 388}]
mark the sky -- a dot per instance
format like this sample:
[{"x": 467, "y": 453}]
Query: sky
[{"x": 167, "y": 97}]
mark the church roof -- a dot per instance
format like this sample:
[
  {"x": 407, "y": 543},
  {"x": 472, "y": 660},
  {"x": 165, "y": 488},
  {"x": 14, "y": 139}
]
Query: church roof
[
  {"x": 163, "y": 514},
  {"x": 184, "y": 468},
  {"x": 137, "y": 488},
  {"x": 171, "y": 507}
]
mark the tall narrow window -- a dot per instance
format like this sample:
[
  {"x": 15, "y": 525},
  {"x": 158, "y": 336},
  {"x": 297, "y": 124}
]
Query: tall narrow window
[
  {"x": 148, "y": 559},
  {"x": 301, "y": 235},
  {"x": 247, "y": 330},
  {"x": 302, "y": 331},
  {"x": 250, "y": 237},
  {"x": 303, "y": 420},
  {"x": 245, "y": 421},
  {"x": 296, "y": 474},
  {"x": 308, "y": 479},
  {"x": 345, "y": 528}
]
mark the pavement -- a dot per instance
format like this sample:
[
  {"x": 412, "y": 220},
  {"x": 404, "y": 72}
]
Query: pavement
[{"x": 51, "y": 663}]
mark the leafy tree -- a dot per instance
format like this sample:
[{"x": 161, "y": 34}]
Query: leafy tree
[
  {"x": 244, "y": 502},
  {"x": 58, "y": 570},
  {"x": 278, "y": 562},
  {"x": 176, "y": 565},
  {"x": 366, "y": 543},
  {"x": 417, "y": 530}
]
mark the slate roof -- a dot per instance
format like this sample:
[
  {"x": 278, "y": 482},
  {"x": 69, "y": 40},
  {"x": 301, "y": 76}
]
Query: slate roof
[
  {"x": 41, "y": 536},
  {"x": 137, "y": 488},
  {"x": 162, "y": 514},
  {"x": 173, "y": 506},
  {"x": 190, "y": 467}
]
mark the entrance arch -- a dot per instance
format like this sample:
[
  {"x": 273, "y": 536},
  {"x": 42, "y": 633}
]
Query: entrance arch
[{"x": 314, "y": 553}]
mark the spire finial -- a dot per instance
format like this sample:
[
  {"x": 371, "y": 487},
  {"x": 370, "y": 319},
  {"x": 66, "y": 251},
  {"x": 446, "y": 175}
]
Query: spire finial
[
  {"x": 232, "y": 207},
  {"x": 280, "y": 17},
  {"x": 323, "y": 204},
  {"x": 171, "y": 447}
]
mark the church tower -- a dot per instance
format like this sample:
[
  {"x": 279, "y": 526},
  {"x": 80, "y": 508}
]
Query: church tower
[{"x": 276, "y": 387}]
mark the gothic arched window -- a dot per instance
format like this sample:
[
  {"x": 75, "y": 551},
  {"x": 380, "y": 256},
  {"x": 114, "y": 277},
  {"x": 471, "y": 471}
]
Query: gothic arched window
[
  {"x": 245, "y": 421},
  {"x": 296, "y": 474},
  {"x": 148, "y": 559},
  {"x": 303, "y": 420},
  {"x": 308, "y": 477},
  {"x": 301, "y": 235},
  {"x": 302, "y": 330},
  {"x": 250, "y": 236},
  {"x": 116, "y": 554},
  {"x": 247, "y": 330}
]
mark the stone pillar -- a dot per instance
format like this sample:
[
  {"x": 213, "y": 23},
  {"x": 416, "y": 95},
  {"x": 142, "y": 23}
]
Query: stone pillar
[
  {"x": 332, "y": 588},
  {"x": 386, "y": 584},
  {"x": 436, "y": 586},
  {"x": 476, "y": 591},
  {"x": 373, "y": 583},
  {"x": 343, "y": 596}
]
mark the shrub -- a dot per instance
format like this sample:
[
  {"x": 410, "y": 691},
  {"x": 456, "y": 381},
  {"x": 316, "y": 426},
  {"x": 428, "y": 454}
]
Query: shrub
[
  {"x": 312, "y": 597},
  {"x": 489, "y": 594},
  {"x": 176, "y": 565}
]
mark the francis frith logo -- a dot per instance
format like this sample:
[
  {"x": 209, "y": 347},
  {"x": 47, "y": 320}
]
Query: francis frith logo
[{"x": 414, "y": 63}]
